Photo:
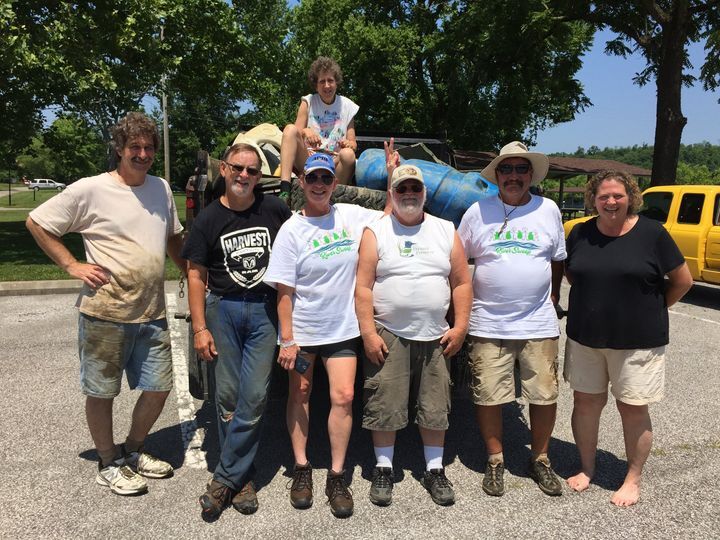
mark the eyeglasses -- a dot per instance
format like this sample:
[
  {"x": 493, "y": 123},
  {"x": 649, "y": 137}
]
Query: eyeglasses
[
  {"x": 415, "y": 188},
  {"x": 326, "y": 179},
  {"x": 252, "y": 171},
  {"x": 506, "y": 168}
]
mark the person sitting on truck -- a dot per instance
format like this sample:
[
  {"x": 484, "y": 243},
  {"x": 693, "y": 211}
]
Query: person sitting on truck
[
  {"x": 617, "y": 326},
  {"x": 235, "y": 323},
  {"x": 325, "y": 123}
]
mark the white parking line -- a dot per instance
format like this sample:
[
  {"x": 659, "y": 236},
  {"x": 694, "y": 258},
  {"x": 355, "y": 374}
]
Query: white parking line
[
  {"x": 192, "y": 439},
  {"x": 694, "y": 317}
]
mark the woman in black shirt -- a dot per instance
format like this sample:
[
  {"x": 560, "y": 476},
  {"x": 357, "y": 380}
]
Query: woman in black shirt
[{"x": 618, "y": 321}]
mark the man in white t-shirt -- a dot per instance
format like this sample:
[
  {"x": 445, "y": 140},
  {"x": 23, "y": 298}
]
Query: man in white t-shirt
[
  {"x": 128, "y": 222},
  {"x": 517, "y": 243},
  {"x": 410, "y": 266}
]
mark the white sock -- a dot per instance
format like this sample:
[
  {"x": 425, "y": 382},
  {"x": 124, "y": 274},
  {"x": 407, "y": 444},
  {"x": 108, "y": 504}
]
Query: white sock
[
  {"x": 494, "y": 459},
  {"x": 384, "y": 456},
  {"x": 433, "y": 457}
]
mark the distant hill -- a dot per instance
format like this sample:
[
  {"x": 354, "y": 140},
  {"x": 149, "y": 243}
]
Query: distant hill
[
  {"x": 698, "y": 163},
  {"x": 698, "y": 154}
]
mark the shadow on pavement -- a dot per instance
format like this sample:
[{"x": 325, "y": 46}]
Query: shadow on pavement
[
  {"x": 463, "y": 441},
  {"x": 702, "y": 295}
]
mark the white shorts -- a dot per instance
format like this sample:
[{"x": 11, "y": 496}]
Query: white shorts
[{"x": 636, "y": 376}]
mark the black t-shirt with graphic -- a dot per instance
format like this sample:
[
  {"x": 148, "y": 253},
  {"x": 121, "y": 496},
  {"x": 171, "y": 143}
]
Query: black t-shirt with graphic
[
  {"x": 617, "y": 297},
  {"x": 235, "y": 246}
]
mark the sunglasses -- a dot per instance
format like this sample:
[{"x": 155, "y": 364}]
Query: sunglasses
[
  {"x": 252, "y": 171},
  {"x": 415, "y": 188},
  {"x": 507, "y": 168},
  {"x": 326, "y": 179}
]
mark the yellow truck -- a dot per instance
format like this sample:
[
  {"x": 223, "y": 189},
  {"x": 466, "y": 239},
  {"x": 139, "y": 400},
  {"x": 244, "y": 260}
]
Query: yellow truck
[{"x": 691, "y": 214}]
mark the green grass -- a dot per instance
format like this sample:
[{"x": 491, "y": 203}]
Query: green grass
[
  {"x": 24, "y": 199},
  {"x": 20, "y": 257}
]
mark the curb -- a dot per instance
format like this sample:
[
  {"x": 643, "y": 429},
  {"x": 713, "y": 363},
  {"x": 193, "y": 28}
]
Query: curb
[
  {"x": 25, "y": 288},
  {"x": 57, "y": 286}
]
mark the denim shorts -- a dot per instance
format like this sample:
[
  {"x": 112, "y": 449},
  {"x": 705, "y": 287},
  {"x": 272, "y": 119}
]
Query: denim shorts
[{"x": 108, "y": 348}]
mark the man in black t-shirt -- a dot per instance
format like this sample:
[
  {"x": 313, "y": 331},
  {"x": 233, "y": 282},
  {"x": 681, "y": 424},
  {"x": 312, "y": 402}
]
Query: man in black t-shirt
[{"x": 235, "y": 324}]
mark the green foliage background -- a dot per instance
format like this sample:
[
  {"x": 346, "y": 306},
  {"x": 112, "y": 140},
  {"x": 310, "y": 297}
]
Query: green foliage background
[{"x": 476, "y": 73}]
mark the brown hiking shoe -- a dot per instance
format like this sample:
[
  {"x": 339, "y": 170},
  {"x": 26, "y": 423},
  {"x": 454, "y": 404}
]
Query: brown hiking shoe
[
  {"x": 215, "y": 500},
  {"x": 301, "y": 490},
  {"x": 541, "y": 471},
  {"x": 245, "y": 501},
  {"x": 338, "y": 494}
]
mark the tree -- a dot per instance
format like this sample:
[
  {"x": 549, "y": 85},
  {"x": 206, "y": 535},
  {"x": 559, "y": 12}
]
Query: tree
[
  {"x": 99, "y": 60},
  {"x": 661, "y": 31},
  {"x": 76, "y": 149},
  {"x": 481, "y": 73},
  {"x": 20, "y": 103}
]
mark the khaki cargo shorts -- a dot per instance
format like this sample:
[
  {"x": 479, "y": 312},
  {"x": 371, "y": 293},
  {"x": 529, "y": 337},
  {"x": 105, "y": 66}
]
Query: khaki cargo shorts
[
  {"x": 636, "y": 376},
  {"x": 493, "y": 367},
  {"x": 414, "y": 372}
]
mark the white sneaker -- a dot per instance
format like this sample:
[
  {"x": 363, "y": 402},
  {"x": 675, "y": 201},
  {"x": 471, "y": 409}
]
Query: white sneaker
[
  {"x": 148, "y": 465},
  {"x": 120, "y": 479}
]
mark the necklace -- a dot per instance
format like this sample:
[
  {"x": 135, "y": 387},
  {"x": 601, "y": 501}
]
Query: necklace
[{"x": 507, "y": 215}]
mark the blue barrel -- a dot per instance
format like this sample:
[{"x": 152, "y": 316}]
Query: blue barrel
[{"x": 449, "y": 191}]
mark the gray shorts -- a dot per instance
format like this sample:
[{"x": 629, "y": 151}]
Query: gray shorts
[
  {"x": 342, "y": 349},
  {"x": 414, "y": 371},
  {"x": 141, "y": 350}
]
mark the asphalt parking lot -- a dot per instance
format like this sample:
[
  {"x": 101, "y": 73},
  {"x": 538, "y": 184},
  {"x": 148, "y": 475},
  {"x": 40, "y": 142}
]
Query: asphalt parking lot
[{"x": 48, "y": 464}]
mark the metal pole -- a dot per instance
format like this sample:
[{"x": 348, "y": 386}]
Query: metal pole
[
  {"x": 166, "y": 138},
  {"x": 166, "y": 133}
]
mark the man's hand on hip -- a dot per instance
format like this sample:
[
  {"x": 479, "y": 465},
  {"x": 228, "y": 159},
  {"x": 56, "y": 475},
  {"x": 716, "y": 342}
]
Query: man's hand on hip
[{"x": 92, "y": 275}]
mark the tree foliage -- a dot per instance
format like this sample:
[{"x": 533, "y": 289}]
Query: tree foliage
[
  {"x": 481, "y": 73},
  {"x": 660, "y": 30},
  {"x": 67, "y": 150},
  {"x": 699, "y": 163}
]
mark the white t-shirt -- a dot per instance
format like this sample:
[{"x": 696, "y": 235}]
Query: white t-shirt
[
  {"x": 330, "y": 121},
  {"x": 512, "y": 277},
  {"x": 317, "y": 256},
  {"x": 125, "y": 230},
  {"x": 411, "y": 295}
]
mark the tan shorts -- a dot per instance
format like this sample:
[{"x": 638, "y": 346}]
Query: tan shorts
[
  {"x": 415, "y": 373},
  {"x": 636, "y": 376},
  {"x": 493, "y": 366}
]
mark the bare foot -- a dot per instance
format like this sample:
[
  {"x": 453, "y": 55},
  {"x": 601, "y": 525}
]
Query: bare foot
[
  {"x": 580, "y": 481},
  {"x": 627, "y": 495}
]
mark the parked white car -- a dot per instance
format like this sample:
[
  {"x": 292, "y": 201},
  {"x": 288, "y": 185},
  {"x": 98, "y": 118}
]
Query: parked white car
[{"x": 45, "y": 183}]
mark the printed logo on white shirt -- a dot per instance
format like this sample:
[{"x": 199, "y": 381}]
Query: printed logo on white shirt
[
  {"x": 516, "y": 241},
  {"x": 331, "y": 243}
]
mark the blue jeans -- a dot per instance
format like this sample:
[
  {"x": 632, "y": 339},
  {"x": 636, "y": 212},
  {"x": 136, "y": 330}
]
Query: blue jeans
[{"x": 245, "y": 334}]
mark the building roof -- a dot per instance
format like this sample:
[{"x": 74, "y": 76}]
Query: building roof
[{"x": 560, "y": 167}]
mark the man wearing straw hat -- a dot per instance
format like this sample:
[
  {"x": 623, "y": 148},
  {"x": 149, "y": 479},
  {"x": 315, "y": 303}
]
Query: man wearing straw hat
[{"x": 516, "y": 240}]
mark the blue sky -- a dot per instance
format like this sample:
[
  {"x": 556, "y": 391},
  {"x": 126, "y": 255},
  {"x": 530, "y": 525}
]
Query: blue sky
[{"x": 623, "y": 113}]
